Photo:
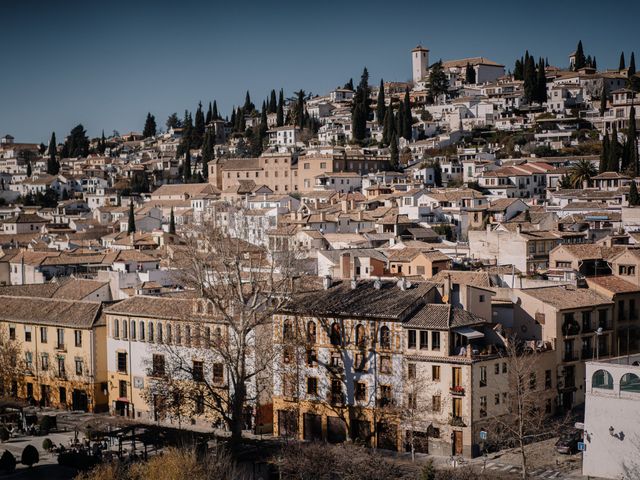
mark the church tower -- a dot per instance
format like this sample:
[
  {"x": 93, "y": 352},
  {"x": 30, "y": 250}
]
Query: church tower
[{"x": 420, "y": 63}]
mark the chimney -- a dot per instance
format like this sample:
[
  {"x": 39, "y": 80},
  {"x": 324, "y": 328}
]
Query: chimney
[
  {"x": 345, "y": 265},
  {"x": 518, "y": 228},
  {"x": 377, "y": 284},
  {"x": 327, "y": 282},
  {"x": 354, "y": 284},
  {"x": 345, "y": 206}
]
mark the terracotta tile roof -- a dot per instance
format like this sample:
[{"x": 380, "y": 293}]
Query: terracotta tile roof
[
  {"x": 613, "y": 284},
  {"x": 47, "y": 311},
  {"x": 156, "y": 307},
  {"x": 562, "y": 298},
  {"x": 442, "y": 317},
  {"x": 389, "y": 302},
  {"x": 477, "y": 279}
]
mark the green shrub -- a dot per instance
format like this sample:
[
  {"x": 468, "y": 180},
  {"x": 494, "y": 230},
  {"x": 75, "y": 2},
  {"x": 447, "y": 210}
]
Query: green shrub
[
  {"x": 7, "y": 462},
  {"x": 30, "y": 456},
  {"x": 47, "y": 444}
]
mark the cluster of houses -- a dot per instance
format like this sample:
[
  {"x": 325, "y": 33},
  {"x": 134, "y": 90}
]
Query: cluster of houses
[{"x": 426, "y": 273}]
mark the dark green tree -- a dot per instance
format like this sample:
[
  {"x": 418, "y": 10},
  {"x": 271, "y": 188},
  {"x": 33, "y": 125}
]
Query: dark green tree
[
  {"x": 518, "y": 70},
  {"x": 172, "y": 223},
  {"x": 299, "y": 109},
  {"x": 634, "y": 198},
  {"x": 273, "y": 103},
  {"x": 348, "y": 85},
  {"x": 29, "y": 168},
  {"x": 280, "y": 110},
  {"x": 77, "y": 142},
  {"x": 209, "y": 116},
  {"x": 207, "y": 152},
  {"x": 380, "y": 104},
  {"x": 530, "y": 79},
  {"x": 541, "y": 83},
  {"x": 632, "y": 141},
  {"x": 437, "y": 173},
  {"x": 388, "y": 127},
  {"x": 615, "y": 151},
  {"x": 131, "y": 226},
  {"x": 580, "y": 59},
  {"x": 438, "y": 84},
  {"x": 150, "y": 128},
  {"x": 214, "y": 114},
  {"x": 102, "y": 144},
  {"x": 470, "y": 74},
  {"x": 198, "y": 128},
  {"x": 407, "y": 121},
  {"x": 603, "y": 97},
  {"x": 173, "y": 121},
  {"x": 394, "y": 154},
  {"x": 604, "y": 154},
  {"x": 621, "y": 65},
  {"x": 632, "y": 65},
  {"x": 248, "y": 106},
  {"x": 53, "y": 166},
  {"x": 30, "y": 456}
]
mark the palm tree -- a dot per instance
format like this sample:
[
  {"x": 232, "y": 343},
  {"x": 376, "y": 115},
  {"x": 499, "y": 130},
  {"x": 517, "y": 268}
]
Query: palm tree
[{"x": 581, "y": 171}]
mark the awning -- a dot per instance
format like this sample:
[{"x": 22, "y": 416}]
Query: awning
[{"x": 470, "y": 333}]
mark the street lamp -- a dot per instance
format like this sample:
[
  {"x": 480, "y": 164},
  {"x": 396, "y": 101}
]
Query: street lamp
[{"x": 598, "y": 333}]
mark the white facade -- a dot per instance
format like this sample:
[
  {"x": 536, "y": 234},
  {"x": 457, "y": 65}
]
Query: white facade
[
  {"x": 419, "y": 63},
  {"x": 611, "y": 425}
]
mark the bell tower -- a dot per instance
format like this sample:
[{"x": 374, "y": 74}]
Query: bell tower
[{"x": 420, "y": 63}]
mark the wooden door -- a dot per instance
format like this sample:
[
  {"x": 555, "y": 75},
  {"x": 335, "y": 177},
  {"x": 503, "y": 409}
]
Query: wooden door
[{"x": 457, "y": 442}]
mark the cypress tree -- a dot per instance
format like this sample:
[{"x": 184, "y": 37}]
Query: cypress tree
[
  {"x": 603, "y": 97},
  {"x": 280, "y": 110},
  {"x": 580, "y": 60},
  {"x": 470, "y": 74},
  {"x": 388, "y": 126},
  {"x": 102, "y": 145},
  {"x": 207, "y": 152},
  {"x": 518, "y": 70},
  {"x": 632, "y": 65},
  {"x": 52, "y": 164},
  {"x": 214, "y": 114},
  {"x": 29, "y": 168},
  {"x": 594, "y": 63},
  {"x": 380, "y": 104},
  {"x": 233, "y": 118},
  {"x": 300, "y": 109},
  {"x": 408, "y": 118},
  {"x": 172, "y": 223},
  {"x": 541, "y": 83},
  {"x": 614, "y": 151},
  {"x": 621, "y": 65},
  {"x": 131, "y": 227},
  {"x": 604, "y": 155},
  {"x": 209, "y": 116},
  {"x": 394, "y": 159},
  {"x": 150, "y": 128},
  {"x": 530, "y": 79},
  {"x": 248, "y": 106},
  {"x": 198, "y": 128},
  {"x": 632, "y": 140},
  {"x": 273, "y": 103}
]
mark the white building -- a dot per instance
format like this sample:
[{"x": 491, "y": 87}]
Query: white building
[
  {"x": 611, "y": 425},
  {"x": 420, "y": 63}
]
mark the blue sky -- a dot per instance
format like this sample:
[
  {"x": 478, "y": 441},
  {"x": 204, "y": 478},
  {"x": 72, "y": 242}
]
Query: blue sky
[{"x": 106, "y": 64}]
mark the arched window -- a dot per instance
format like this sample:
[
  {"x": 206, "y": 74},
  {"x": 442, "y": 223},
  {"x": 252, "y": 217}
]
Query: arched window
[
  {"x": 630, "y": 382},
  {"x": 217, "y": 336},
  {"x": 602, "y": 379},
  {"x": 124, "y": 329},
  {"x": 141, "y": 331},
  {"x": 159, "y": 332},
  {"x": 178, "y": 335},
  {"x": 335, "y": 334},
  {"x": 169, "y": 333},
  {"x": 151, "y": 331},
  {"x": 385, "y": 337},
  {"x": 287, "y": 331},
  {"x": 132, "y": 330},
  {"x": 207, "y": 336},
  {"x": 360, "y": 336},
  {"x": 311, "y": 332}
]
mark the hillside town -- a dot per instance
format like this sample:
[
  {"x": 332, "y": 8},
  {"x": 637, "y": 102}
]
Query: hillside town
[{"x": 444, "y": 268}]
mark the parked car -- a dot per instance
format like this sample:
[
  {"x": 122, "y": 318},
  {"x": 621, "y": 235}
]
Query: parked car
[{"x": 568, "y": 442}]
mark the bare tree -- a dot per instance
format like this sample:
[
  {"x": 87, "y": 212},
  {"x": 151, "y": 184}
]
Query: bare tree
[
  {"x": 12, "y": 364},
  {"x": 529, "y": 413},
  {"x": 238, "y": 287}
]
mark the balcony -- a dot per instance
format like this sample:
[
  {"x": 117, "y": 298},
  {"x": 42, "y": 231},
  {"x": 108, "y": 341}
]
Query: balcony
[
  {"x": 569, "y": 357},
  {"x": 570, "y": 328},
  {"x": 61, "y": 347},
  {"x": 336, "y": 399},
  {"x": 456, "y": 421},
  {"x": 457, "y": 390}
]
